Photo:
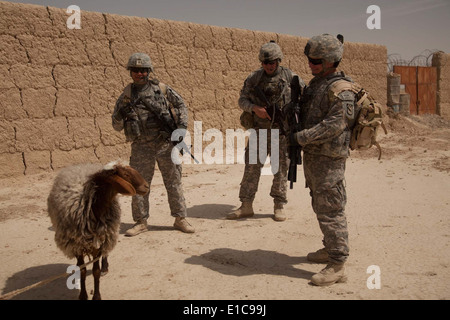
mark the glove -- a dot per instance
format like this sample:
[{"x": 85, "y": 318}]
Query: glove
[{"x": 126, "y": 112}]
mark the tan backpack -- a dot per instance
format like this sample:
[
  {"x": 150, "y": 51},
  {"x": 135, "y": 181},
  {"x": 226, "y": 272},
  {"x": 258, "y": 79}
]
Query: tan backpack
[{"x": 368, "y": 116}]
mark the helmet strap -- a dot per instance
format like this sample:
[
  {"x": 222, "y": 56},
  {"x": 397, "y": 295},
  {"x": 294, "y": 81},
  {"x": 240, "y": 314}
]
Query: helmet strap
[{"x": 326, "y": 70}]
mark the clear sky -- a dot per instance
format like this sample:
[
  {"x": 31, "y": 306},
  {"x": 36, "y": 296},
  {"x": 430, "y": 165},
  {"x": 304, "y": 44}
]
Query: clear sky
[{"x": 408, "y": 27}]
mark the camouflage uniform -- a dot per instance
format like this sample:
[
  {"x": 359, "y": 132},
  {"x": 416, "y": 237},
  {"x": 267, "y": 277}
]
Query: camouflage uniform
[
  {"x": 325, "y": 142},
  {"x": 325, "y": 139},
  {"x": 276, "y": 88},
  {"x": 152, "y": 144}
]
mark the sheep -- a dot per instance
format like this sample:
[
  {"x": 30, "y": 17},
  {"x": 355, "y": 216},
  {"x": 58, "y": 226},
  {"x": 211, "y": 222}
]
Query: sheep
[{"x": 85, "y": 212}]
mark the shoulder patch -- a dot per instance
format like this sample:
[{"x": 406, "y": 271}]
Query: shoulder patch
[
  {"x": 347, "y": 96},
  {"x": 348, "y": 104}
]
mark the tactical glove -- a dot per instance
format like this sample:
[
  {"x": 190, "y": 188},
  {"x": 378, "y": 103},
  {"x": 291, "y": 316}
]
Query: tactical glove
[{"x": 127, "y": 112}]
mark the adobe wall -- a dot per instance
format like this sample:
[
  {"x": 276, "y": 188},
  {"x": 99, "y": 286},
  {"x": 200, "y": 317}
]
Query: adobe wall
[
  {"x": 441, "y": 60},
  {"x": 58, "y": 86}
]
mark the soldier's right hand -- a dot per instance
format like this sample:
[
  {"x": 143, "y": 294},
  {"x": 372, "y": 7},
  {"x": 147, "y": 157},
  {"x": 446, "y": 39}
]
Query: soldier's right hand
[{"x": 261, "y": 112}]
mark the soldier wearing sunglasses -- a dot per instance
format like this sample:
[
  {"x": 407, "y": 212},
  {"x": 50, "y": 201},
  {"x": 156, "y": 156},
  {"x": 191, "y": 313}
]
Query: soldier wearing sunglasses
[
  {"x": 325, "y": 142},
  {"x": 273, "y": 82},
  {"x": 140, "y": 111}
]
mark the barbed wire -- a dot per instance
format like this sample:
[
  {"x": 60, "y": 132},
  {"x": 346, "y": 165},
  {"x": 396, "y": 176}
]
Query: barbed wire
[{"x": 424, "y": 59}]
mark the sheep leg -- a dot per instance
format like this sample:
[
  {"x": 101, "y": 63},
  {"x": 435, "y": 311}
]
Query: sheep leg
[
  {"x": 83, "y": 294},
  {"x": 96, "y": 273},
  {"x": 105, "y": 265}
]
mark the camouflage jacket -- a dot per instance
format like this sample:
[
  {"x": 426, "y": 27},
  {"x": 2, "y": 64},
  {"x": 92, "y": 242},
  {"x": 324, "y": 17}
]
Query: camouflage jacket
[
  {"x": 323, "y": 118},
  {"x": 276, "y": 88},
  {"x": 154, "y": 103}
]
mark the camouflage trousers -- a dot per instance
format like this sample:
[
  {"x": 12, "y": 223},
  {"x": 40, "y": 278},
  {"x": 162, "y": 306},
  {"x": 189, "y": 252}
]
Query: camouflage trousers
[
  {"x": 252, "y": 172},
  {"x": 144, "y": 156},
  {"x": 325, "y": 179}
]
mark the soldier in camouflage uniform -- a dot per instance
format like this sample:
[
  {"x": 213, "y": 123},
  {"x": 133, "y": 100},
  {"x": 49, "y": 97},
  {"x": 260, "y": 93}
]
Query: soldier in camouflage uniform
[
  {"x": 274, "y": 81},
  {"x": 150, "y": 143},
  {"x": 325, "y": 140}
]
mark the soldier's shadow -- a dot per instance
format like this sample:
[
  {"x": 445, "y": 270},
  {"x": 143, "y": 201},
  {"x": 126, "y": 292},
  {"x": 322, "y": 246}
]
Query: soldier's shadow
[
  {"x": 244, "y": 263},
  {"x": 210, "y": 211}
]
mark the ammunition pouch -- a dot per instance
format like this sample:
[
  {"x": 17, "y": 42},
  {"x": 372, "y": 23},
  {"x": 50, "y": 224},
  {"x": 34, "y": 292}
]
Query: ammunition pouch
[
  {"x": 246, "y": 120},
  {"x": 132, "y": 129}
]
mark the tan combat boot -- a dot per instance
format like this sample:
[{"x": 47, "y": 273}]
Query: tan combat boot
[
  {"x": 139, "y": 227},
  {"x": 245, "y": 211},
  {"x": 182, "y": 225},
  {"x": 319, "y": 256},
  {"x": 278, "y": 213},
  {"x": 332, "y": 273}
]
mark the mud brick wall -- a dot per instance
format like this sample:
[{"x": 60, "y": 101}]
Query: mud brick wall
[
  {"x": 58, "y": 86},
  {"x": 441, "y": 61}
]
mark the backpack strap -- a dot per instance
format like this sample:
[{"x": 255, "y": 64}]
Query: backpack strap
[
  {"x": 163, "y": 87},
  {"x": 342, "y": 84}
]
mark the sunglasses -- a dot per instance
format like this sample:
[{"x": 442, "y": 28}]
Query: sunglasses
[
  {"x": 315, "y": 61},
  {"x": 139, "y": 70},
  {"x": 271, "y": 62}
]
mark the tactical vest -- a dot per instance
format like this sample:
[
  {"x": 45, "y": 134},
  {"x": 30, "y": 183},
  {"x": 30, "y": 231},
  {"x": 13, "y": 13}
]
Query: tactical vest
[
  {"x": 144, "y": 123},
  {"x": 315, "y": 105},
  {"x": 277, "y": 91}
]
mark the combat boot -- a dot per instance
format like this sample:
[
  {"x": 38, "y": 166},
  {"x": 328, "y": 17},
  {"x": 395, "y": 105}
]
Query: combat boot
[
  {"x": 278, "y": 213},
  {"x": 319, "y": 256},
  {"x": 332, "y": 273},
  {"x": 139, "y": 227},
  {"x": 245, "y": 211},
  {"x": 182, "y": 225}
]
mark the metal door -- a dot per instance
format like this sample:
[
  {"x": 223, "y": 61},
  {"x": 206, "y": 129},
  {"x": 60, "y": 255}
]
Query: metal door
[
  {"x": 421, "y": 84},
  {"x": 426, "y": 90}
]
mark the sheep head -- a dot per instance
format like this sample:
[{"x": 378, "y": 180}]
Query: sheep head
[{"x": 126, "y": 180}]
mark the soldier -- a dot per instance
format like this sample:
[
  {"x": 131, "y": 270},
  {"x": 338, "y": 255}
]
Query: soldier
[
  {"x": 274, "y": 82},
  {"x": 325, "y": 140},
  {"x": 142, "y": 111}
]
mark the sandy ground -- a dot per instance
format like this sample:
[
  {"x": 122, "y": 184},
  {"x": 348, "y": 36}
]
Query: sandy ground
[{"x": 398, "y": 214}]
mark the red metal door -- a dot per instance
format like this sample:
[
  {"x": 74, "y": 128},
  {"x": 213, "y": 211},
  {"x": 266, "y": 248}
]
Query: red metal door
[
  {"x": 421, "y": 84},
  {"x": 426, "y": 90}
]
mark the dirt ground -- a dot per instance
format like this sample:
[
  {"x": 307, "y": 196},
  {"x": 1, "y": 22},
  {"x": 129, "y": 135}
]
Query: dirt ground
[{"x": 398, "y": 214}]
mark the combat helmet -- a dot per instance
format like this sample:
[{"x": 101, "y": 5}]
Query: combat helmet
[
  {"x": 270, "y": 51},
  {"x": 325, "y": 47},
  {"x": 139, "y": 60}
]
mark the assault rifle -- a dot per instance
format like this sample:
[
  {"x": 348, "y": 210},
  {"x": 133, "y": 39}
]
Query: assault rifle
[
  {"x": 274, "y": 111},
  {"x": 293, "y": 119},
  {"x": 169, "y": 126}
]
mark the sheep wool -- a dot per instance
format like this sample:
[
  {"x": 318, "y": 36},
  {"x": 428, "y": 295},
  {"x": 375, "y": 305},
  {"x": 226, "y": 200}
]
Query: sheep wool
[{"x": 77, "y": 229}]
